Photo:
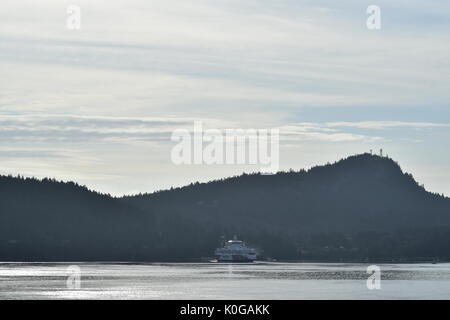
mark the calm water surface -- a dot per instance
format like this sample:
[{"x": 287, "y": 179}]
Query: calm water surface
[{"x": 223, "y": 281}]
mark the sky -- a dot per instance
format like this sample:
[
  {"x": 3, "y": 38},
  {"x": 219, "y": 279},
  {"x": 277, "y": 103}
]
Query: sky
[{"x": 97, "y": 105}]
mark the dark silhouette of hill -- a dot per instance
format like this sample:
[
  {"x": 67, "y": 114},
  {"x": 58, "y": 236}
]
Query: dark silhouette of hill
[
  {"x": 362, "y": 207},
  {"x": 44, "y": 220}
]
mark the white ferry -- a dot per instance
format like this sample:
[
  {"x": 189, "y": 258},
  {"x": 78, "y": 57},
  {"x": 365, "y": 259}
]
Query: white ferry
[{"x": 235, "y": 251}]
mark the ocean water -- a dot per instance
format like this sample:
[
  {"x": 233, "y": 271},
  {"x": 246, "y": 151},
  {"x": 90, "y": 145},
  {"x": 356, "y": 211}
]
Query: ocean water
[{"x": 221, "y": 281}]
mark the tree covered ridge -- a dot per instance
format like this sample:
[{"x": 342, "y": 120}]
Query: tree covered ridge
[
  {"x": 361, "y": 207},
  {"x": 351, "y": 163}
]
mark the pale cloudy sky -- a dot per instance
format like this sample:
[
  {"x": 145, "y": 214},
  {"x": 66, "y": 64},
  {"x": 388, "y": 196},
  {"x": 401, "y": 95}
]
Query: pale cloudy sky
[{"x": 98, "y": 105}]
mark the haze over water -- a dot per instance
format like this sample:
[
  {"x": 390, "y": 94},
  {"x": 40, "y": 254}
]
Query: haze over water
[{"x": 223, "y": 281}]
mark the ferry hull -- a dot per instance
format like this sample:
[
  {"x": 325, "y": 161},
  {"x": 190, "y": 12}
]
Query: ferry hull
[{"x": 235, "y": 261}]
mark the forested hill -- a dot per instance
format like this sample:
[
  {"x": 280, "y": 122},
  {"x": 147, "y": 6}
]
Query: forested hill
[
  {"x": 357, "y": 208},
  {"x": 362, "y": 192},
  {"x": 47, "y": 220}
]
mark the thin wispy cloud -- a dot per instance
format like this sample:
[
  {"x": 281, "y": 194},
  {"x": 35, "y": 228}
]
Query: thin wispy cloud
[
  {"x": 382, "y": 124},
  {"x": 87, "y": 129}
]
